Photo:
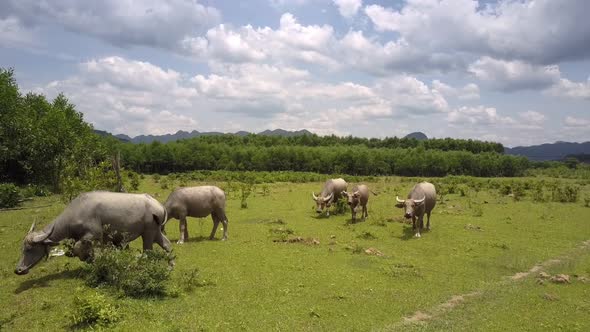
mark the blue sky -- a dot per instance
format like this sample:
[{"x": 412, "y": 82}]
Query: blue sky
[{"x": 513, "y": 71}]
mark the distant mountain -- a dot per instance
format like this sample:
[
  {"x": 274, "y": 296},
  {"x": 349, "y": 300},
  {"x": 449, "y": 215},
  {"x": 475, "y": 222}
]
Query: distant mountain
[
  {"x": 122, "y": 138},
  {"x": 550, "y": 151},
  {"x": 285, "y": 133},
  {"x": 417, "y": 135},
  {"x": 181, "y": 134}
]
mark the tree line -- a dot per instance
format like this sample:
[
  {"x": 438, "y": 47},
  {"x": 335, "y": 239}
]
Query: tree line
[
  {"x": 445, "y": 144},
  {"x": 202, "y": 154}
]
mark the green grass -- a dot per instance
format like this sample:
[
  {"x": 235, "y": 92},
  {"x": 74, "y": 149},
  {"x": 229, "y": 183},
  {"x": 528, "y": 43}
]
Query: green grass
[{"x": 253, "y": 283}]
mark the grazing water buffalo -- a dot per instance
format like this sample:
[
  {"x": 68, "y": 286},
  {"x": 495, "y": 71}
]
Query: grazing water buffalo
[
  {"x": 197, "y": 202},
  {"x": 331, "y": 192},
  {"x": 421, "y": 199},
  {"x": 98, "y": 215},
  {"x": 358, "y": 197}
]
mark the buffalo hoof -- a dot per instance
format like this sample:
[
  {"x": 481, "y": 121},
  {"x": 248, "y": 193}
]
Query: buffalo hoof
[
  {"x": 179, "y": 242},
  {"x": 417, "y": 235}
]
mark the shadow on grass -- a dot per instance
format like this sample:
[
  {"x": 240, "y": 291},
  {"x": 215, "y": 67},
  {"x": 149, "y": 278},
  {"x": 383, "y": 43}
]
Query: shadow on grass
[
  {"x": 200, "y": 238},
  {"x": 44, "y": 281},
  {"x": 409, "y": 232}
]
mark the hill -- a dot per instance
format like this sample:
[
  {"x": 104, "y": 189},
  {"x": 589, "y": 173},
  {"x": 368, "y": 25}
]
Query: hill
[
  {"x": 181, "y": 134},
  {"x": 549, "y": 151},
  {"x": 417, "y": 135}
]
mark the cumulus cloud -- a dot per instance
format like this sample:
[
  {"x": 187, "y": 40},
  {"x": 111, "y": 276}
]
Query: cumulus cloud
[
  {"x": 574, "y": 122},
  {"x": 121, "y": 22},
  {"x": 348, "y": 8},
  {"x": 538, "y": 31},
  {"x": 468, "y": 92},
  {"x": 573, "y": 90},
  {"x": 515, "y": 75},
  {"x": 479, "y": 115}
]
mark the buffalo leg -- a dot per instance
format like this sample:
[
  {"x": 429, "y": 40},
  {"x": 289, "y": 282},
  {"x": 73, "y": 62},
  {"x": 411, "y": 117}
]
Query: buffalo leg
[
  {"x": 163, "y": 242},
  {"x": 416, "y": 226},
  {"x": 215, "y": 218},
  {"x": 365, "y": 213},
  {"x": 224, "y": 222},
  {"x": 428, "y": 220},
  {"x": 148, "y": 241},
  {"x": 183, "y": 231}
]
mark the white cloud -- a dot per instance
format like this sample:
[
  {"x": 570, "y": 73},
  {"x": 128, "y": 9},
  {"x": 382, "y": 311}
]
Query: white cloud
[
  {"x": 516, "y": 75},
  {"x": 121, "y": 22},
  {"x": 468, "y": 92},
  {"x": 574, "y": 122},
  {"x": 348, "y": 8},
  {"x": 573, "y": 90},
  {"x": 540, "y": 31},
  {"x": 479, "y": 115}
]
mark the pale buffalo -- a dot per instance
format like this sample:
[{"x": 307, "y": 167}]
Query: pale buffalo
[
  {"x": 197, "y": 202},
  {"x": 421, "y": 199},
  {"x": 330, "y": 194},
  {"x": 99, "y": 215},
  {"x": 358, "y": 197}
]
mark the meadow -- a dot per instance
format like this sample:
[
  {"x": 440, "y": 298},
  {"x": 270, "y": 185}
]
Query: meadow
[{"x": 286, "y": 268}]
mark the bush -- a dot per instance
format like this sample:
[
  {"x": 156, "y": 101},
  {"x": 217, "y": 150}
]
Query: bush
[
  {"x": 134, "y": 180},
  {"x": 587, "y": 200},
  {"x": 92, "y": 309},
  {"x": 133, "y": 273},
  {"x": 246, "y": 190},
  {"x": 10, "y": 195},
  {"x": 156, "y": 178}
]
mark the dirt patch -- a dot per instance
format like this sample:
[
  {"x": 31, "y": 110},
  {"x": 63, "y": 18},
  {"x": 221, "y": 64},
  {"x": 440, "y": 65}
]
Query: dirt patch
[
  {"x": 417, "y": 317},
  {"x": 560, "y": 279},
  {"x": 299, "y": 239},
  {"x": 373, "y": 251}
]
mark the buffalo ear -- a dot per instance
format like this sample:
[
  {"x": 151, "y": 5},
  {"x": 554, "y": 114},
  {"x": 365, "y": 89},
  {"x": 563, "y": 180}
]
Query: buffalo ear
[{"x": 400, "y": 205}]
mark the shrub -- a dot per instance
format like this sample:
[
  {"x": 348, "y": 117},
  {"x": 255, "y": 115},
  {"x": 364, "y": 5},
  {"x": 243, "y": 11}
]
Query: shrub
[
  {"x": 518, "y": 191},
  {"x": 156, "y": 178},
  {"x": 92, "y": 309},
  {"x": 505, "y": 189},
  {"x": 246, "y": 191},
  {"x": 134, "y": 180},
  {"x": 587, "y": 200},
  {"x": 10, "y": 195},
  {"x": 463, "y": 190},
  {"x": 164, "y": 183},
  {"x": 538, "y": 192},
  {"x": 133, "y": 273}
]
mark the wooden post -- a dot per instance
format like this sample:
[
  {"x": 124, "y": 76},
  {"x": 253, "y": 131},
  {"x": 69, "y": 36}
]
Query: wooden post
[{"x": 117, "y": 168}]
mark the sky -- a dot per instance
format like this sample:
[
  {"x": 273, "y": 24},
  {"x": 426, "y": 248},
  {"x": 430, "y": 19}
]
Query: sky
[{"x": 510, "y": 71}]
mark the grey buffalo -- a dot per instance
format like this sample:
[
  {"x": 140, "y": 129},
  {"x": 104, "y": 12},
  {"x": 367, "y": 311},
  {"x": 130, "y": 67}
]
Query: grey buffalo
[
  {"x": 197, "y": 202},
  {"x": 358, "y": 197},
  {"x": 330, "y": 194},
  {"x": 99, "y": 215},
  {"x": 421, "y": 199}
]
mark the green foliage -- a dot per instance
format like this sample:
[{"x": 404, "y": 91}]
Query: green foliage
[
  {"x": 587, "y": 200},
  {"x": 100, "y": 177},
  {"x": 91, "y": 309},
  {"x": 133, "y": 273},
  {"x": 44, "y": 142},
  {"x": 165, "y": 183},
  {"x": 133, "y": 180},
  {"x": 156, "y": 178},
  {"x": 10, "y": 195},
  {"x": 245, "y": 192},
  {"x": 223, "y": 153}
]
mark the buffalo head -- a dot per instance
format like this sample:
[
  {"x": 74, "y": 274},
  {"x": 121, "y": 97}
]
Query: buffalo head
[
  {"x": 35, "y": 247},
  {"x": 322, "y": 202},
  {"x": 410, "y": 205}
]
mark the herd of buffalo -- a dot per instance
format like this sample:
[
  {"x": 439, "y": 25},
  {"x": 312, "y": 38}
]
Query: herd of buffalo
[{"x": 121, "y": 217}]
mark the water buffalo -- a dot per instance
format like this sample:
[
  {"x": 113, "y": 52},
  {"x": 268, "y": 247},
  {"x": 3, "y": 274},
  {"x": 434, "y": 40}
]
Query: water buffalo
[
  {"x": 421, "y": 199},
  {"x": 197, "y": 202},
  {"x": 358, "y": 196},
  {"x": 98, "y": 215},
  {"x": 331, "y": 192}
]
